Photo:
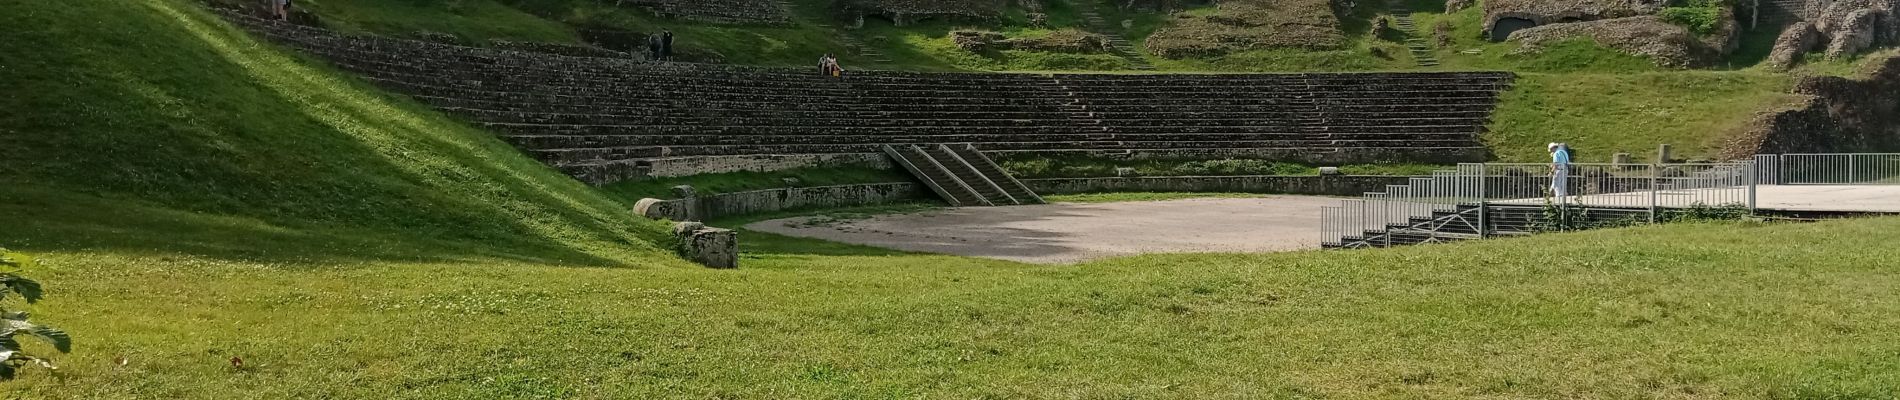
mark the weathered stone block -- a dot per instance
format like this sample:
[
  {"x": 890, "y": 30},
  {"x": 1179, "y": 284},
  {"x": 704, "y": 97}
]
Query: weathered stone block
[
  {"x": 711, "y": 247},
  {"x": 673, "y": 210}
]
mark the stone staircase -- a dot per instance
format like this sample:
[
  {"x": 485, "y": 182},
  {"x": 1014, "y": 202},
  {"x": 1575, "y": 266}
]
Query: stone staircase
[
  {"x": 1463, "y": 222},
  {"x": 1414, "y": 41},
  {"x": 1117, "y": 44},
  {"x": 852, "y": 43},
  {"x": 962, "y": 175},
  {"x": 1777, "y": 13}
]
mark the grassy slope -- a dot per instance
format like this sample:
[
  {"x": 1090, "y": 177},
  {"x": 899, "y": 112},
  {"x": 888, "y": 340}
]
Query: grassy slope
[
  {"x": 153, "y": 114},
  {"x": 474, "y": 20},
  {"x": 1716, "y": 310},
  {"x": 1602, "y": 114}
]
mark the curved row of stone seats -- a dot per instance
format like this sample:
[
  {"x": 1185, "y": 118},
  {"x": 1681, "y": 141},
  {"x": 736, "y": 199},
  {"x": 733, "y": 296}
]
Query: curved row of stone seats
[
  {"x": 1224, "y": 79},
  {"x": 721, "y": 11},
  {"x": 593, "y": 152},
  {"x": 554, "y": 103},
  {"x": 781, "y": 130},
  {"x": 872, "y": 119},
  {"x": 578, "y": 157},
  {"x": 602, "y": 119},
  {"x": 834, "y": 88}
]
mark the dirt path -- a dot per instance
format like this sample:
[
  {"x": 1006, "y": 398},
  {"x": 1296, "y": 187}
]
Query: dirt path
[{"x": 1071, "y": 232}]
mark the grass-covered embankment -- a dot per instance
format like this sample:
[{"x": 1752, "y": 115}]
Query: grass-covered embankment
[
  {"x": 156, "y": 115},
  {"x": 1604, "y": 114}
]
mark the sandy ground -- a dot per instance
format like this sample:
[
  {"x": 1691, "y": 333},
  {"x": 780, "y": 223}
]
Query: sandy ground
[{"x": 1069, "y": 232}]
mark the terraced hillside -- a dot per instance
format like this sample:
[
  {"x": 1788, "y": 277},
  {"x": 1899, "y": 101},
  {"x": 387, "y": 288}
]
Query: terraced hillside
[{"x": 607, "y": 120}]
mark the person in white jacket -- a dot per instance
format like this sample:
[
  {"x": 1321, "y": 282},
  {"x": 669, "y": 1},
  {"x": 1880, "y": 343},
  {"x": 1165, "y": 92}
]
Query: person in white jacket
[{"x": 1559, "y": 170}]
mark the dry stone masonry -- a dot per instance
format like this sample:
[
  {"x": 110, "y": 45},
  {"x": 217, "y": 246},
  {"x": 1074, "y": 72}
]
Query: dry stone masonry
[
  {"x": 1503, "y": 17},
  {"x": 604, "y": 119},
  {"x": 1841, "y": 28},
  {"x": 769, "y": 12}
]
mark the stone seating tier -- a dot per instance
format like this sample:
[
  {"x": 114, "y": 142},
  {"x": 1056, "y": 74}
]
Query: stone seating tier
[
  {"x": 777, "y": 130},
  {"x": 602, "y": 119},
  {"x": 721, "y": 11},
  {"x": 571, "y": 142},
  {"x": 583, "y": 157},
  {"x": 872, "y": 119},
  {"x": 834, "y": 88},
  {"x": 800, "y": 76}
]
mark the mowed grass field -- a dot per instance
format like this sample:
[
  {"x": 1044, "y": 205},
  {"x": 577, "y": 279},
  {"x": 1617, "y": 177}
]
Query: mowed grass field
[{"x": 1729, "y": 310}]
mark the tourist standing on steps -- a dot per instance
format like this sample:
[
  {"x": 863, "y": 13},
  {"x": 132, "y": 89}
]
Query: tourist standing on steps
[
  {"x": 666, "y": 44},
  {"x": 653, "y": 47},
  {"x": 278, "y": 9},
  {"x": 1559, "y": 170},
  {"x": 824, "y": 65}
]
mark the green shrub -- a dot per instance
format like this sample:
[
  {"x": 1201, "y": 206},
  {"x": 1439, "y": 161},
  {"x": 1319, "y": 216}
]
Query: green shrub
[{"x": 1701, "y": 20}]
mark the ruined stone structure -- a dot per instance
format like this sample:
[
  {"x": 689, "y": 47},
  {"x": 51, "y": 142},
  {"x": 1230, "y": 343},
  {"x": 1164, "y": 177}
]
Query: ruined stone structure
[
  {"x": 770, "y": 12},
  {"x": 604, "y": 120},
  {"x": 1841, "y": 28},
  {"x": 903, "y": 12},
  {"x": 1668, "y": 44},
  {"x": 1503, "y": 17},
  {"x": 1834, "y": 115}
]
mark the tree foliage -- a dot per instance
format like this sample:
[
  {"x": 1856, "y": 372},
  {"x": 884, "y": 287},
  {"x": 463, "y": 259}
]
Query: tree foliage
[{"x": 15, "y": 323}]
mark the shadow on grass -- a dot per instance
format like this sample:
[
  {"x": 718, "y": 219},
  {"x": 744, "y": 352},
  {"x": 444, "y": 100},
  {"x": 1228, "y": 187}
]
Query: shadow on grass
[{"x": 40, "y": 221}]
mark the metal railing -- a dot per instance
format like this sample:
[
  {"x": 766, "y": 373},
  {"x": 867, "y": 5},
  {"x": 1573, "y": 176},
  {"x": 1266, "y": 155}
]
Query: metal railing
[
  {"x": 1451, "y": 204},
  {"x": 1831, "y": 169}
]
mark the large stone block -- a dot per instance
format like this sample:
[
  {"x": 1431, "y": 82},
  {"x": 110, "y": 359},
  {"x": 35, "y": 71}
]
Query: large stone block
[{"x": 711, "y": 247}]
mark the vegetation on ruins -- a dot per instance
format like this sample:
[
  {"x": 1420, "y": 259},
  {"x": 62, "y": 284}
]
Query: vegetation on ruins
[{"x": 1700, "y": 16}]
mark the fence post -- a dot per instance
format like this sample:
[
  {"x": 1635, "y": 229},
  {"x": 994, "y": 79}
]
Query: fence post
[
  {"x": 1655, "y": 180},
  {"x": 1484, "y": 207},
  {"x": 1781, "y": 169},
  {"x": 1752, "y": 172},
  {"x": 1852, "y": 177}
]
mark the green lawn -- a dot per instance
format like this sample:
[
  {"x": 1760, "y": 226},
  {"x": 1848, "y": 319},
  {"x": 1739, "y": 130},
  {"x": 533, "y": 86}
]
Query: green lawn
[{"x": 1698, "y": 310}]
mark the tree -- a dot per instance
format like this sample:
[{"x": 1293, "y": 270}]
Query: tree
[{"x": 14, "y": 323}]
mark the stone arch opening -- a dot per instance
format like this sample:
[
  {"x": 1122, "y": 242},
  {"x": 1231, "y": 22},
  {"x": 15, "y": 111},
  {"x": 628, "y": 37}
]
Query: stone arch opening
[{"x": 1502, "y": 29}]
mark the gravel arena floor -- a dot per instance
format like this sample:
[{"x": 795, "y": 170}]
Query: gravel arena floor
[{"x": 1073, "y": 232}]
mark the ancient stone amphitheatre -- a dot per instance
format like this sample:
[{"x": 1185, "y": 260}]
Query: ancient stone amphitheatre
[{"x": 976, "y": 199}]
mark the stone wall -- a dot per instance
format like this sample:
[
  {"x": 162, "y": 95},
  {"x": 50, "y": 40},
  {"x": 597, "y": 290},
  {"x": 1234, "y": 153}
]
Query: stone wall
[
  {"x": 1351, "y": 185},
  {"x": 771, "y": 200},
  {"x": 761, "y": 201},
  {"x": 765, "y": 201},
  {"x": 1836, "y": 115}
]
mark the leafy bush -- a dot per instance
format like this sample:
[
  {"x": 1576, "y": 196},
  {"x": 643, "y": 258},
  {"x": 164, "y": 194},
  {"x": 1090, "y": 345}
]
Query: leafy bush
[
  {"x": 1701, "y": 17},
  {"x": 12, "y": 323},
  {"x": 1700, "y": 212}
]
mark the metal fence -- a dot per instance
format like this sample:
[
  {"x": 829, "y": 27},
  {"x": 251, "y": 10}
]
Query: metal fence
[
  {"x": 1830, "y": 169},
  {"x": 1451, "y": 203}
]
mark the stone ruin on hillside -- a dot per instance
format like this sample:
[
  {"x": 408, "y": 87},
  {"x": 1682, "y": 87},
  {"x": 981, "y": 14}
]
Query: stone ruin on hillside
[
  {"x": 1841, "y": 28},
  {"x": 905, "y": 12}
]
